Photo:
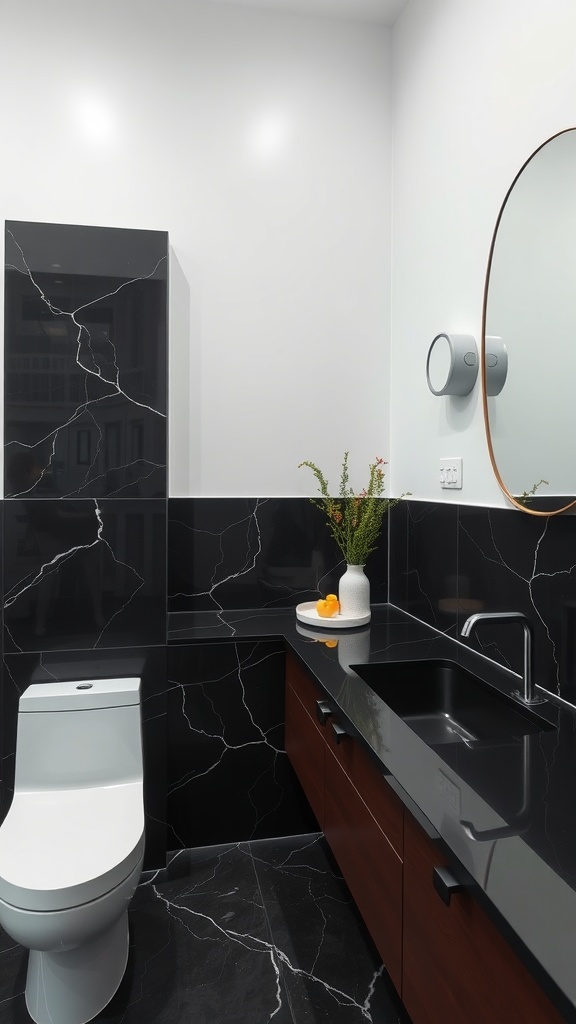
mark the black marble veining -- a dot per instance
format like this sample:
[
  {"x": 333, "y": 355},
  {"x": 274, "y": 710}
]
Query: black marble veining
[
  {"x": 260, "y": 932},
  {"x": 84, "y": 523},
  {"x": 448, "y": 561},
  {"x": 424, "y": 562},
  {"x": 85, "y": 361},
  {"x": 228, "y": 775},
  {"x": 255, "y": 553},
  {"x": 84, "y": 573},
  {"x": 518, "y": 796}
]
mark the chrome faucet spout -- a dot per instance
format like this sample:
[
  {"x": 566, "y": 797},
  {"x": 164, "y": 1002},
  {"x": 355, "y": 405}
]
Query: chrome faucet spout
[{"x": 528, "y": 696}]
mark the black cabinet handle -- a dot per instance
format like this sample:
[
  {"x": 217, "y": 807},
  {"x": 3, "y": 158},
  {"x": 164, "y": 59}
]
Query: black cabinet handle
[
  {"x": 339, "y": 731},
  {"x": 323, "y": 710},
  {"x": 445, "y": 884}
]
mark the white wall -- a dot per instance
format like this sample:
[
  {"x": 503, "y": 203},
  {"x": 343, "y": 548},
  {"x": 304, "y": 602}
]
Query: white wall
[
  {"x": 478, "y": 85},
  {"x": 261, "y": 142}
]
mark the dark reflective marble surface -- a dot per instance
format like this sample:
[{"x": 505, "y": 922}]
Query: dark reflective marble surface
[
  {"x": 448, "y": 561},
  {"x": 228, "y": 774},
  {"x": 85, "y": 361},
  {"x": 519, "y": 797},
  {"x": 259, "y": 932},
  {"x": 84, "y": 573},
  {"x": 255, "y": 553}
]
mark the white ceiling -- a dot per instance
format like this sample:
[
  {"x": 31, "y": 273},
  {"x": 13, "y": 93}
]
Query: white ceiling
[{"x": 384, "y": 12}]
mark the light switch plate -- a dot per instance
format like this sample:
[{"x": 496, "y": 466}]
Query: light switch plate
[{"x": 451, "y": 473}]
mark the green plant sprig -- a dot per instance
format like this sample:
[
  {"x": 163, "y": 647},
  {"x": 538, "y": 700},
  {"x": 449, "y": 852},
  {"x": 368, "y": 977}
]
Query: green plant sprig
[
  {"x": 354, "y": 520},
  {"x": 527, "y": 496}
]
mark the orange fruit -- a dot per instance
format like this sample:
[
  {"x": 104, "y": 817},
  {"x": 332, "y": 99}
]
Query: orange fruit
[{"x": 326, "y": 607}]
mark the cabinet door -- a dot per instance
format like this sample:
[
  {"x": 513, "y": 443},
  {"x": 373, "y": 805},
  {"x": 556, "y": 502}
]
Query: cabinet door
[
  {"x": 305, "y": 745},
  {"x": 457, "y": 967},
  {"x": 370, "y": 866},
  {"x": 363, "y": 773}
]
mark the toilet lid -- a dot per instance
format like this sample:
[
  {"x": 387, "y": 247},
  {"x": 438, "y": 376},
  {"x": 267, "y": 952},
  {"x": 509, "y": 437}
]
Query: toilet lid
[{"x": 63, "y": 848}]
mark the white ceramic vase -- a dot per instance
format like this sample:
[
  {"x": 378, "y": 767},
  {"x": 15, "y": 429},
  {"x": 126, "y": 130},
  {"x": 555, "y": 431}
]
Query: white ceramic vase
[{"x": 354, "y": 592}]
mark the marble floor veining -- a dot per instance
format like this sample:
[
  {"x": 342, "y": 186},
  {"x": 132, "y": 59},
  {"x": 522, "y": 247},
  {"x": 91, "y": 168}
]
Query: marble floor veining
[{"x": 257, "y": 932}]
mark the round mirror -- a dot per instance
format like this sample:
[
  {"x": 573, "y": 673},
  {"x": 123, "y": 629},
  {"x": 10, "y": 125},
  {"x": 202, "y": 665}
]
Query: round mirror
[{"x": 530, "y": 311}]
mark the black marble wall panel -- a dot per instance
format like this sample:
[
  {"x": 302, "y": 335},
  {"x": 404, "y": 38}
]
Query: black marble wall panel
[
  {"x": 84, "y": 573},
  {"x": 256, "y": 553},
  {"x": 21, "y": 670},
  {"x": 424, "y": 562},
  {"x": 228, "y": 775},
  {"x": 85, "y": 361},
  {"x": 448, "y": 561},
  {"x": 84, "y": 523},
  {"x": 526, "y": 563}
]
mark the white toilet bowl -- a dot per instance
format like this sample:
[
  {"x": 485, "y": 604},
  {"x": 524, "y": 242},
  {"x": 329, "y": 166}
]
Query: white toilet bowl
[{"x": 72, "y": 843}]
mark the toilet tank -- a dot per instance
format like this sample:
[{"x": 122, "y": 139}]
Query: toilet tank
[{"x": 86, "y": 732}]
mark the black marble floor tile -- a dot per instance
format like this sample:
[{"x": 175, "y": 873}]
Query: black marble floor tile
[
  {"x": 251, "y": 932},
  {"x": 332, "y": 973}
]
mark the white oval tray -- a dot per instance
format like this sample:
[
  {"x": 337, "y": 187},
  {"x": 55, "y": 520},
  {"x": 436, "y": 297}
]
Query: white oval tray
[{"x": 307, "y": 613}]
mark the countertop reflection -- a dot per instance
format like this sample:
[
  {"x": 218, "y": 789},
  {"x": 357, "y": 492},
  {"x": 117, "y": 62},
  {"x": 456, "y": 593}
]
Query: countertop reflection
[{"x": 506, "y": 811}]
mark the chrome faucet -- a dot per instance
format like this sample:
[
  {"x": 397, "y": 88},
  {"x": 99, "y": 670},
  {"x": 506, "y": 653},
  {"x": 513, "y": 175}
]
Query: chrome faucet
[{"x": 528, "y": 696}]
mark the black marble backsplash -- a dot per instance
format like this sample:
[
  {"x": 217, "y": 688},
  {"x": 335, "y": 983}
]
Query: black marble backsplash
[
  {"x": 448, "y": 561},
  {"x": 226, "y": 553}
]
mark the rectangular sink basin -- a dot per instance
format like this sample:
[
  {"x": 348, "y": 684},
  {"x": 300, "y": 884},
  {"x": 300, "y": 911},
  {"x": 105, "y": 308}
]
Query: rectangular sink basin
[{"x": 444, "y": 703}]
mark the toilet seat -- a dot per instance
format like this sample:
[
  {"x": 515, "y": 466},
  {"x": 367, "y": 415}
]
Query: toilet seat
[{"x": 57, "y": 849}]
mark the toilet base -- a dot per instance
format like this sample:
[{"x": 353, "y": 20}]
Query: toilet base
[{"x": 72, "y": 987}]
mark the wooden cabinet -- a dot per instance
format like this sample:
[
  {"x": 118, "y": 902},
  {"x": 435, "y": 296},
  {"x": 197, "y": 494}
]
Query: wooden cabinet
[
  {"x": 361, "y": 818},
  {"x": 456, "y": 965},
  {"x": 369, "y": 863},
  {"x": 449, "y": 963},
  {"x": 302, "y": 739}
]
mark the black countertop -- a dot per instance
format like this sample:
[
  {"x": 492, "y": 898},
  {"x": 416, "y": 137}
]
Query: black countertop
[{"x": 518, "y": 798}]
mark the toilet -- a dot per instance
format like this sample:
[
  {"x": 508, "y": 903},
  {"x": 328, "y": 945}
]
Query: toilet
[{"x": 72, "y": 843}]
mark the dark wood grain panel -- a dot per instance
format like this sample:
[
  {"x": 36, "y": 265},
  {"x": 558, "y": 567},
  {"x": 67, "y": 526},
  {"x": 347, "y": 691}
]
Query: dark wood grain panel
[
  {"x": 369, "y": 864},
  {"x": 356, "y": 762},
  {"x": 305, "y": 748},
  {"x": 383, "y": 803},
  {"x": 302, "y": 684},
  {"x": 456, "y": 965}
]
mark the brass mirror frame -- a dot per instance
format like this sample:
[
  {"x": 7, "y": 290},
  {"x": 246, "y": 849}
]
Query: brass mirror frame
[{"x": 517, "y": 504}]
